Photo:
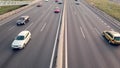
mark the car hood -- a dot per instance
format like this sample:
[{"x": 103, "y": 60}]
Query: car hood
[{"x": 18, "y": 42}]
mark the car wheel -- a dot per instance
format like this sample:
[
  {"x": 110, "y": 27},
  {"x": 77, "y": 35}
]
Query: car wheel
[
  {"x": 23, "y": 23},
  {"x": 30, "y": 38},
  {"x": 28, "y": 19}
]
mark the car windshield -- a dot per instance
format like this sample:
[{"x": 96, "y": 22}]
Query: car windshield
[
  {"x": 20, "y": 38},
  {"x": 117, "y": 38}
]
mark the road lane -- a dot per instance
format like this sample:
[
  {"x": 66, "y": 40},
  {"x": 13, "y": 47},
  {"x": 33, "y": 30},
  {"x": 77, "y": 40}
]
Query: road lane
[
  {"x": 93, "y": 51},
  {"x": 38, "y": 52}
]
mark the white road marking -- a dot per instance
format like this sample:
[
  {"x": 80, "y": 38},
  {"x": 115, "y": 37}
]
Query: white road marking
[
  {"x": 102, "y": 21},
  {"x": 82, "y": 32},
  {"x": 55, "y": 44},
  {"x": 112, "y": 29},
  {"x": 99, "y": 19},
  {"x": 105, "y": 23},
  {"x": 11, "y": 28},
  {"x": 66, "y": 50},
  {"x": 28, "y": 26},
  {"x": 43, "y": 27},
  {"x": 3, "y": 23},
  {"x": 108, "y": 26}
]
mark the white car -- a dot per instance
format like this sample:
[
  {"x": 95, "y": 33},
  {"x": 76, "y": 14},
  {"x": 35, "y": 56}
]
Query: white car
[{"x": 21, "y": 40}]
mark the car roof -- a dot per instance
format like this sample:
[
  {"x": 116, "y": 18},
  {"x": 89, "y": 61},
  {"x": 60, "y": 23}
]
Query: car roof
[
  {"x": 23, "y": 32},
  {"x": 114, "y": 33},
  {"x": 24, "y": 16}
]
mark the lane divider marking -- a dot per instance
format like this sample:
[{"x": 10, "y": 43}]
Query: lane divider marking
[
  {"x": 28, "y": 26},
  {"x": 82, "y": 32},
  {"x": 11, "y": 28},
  {"x": 43, "y": 27}
]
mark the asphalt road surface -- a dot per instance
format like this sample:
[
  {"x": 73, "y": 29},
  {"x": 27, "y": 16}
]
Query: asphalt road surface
[
  {"x": 85, "y": 47},
  {"x": 43, "y": 27}
]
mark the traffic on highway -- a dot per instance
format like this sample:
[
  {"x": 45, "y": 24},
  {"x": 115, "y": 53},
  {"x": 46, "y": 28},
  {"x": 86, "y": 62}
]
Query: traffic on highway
[{"x": 60, "y": 34}]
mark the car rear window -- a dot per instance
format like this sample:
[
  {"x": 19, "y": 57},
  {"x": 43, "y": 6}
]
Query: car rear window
[
  {"x": 117, "y": 38},
  {"x": 20, "y": 38}
]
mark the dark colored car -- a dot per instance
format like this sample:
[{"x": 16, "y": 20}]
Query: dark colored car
[
  {"x": 39, "y": 5},
  {"x": 22, "y": 20},
  {"x": 60, "y": 2}
]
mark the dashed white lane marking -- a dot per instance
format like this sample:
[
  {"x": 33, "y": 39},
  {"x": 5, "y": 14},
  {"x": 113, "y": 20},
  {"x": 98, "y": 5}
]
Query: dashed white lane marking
[
  {"x": 105, "y": 24},
  {"x": 29, "y": 26},
  {"x": 97, "y": 17},
  {"x": 11, "y": 28},
  {"x": 82, "y": 32},
  {"x": 102, "y": 21},
  {"x": 112, "y": 29},
  {"x": 108, "y": 26},
  {"x": 43, "y": 27}
]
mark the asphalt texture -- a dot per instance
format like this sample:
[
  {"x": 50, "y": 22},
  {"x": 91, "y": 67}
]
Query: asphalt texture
[
  {"x": 43, "y": 27},
  {"x": 86, "y": 48}
]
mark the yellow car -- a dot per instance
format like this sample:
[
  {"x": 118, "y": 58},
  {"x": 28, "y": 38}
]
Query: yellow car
[{"x": 112, "y": 36}]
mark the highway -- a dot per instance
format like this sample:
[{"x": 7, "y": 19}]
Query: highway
[
  {"x": 43, "y": 26},
  {"x": 84, "y": 46}
]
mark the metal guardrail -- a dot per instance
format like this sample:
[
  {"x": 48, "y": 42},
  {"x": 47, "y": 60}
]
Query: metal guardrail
[{"x": 7, "y": 3}]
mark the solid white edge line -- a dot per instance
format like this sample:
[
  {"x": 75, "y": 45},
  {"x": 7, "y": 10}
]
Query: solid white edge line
[
  {"x": 43, "y": 27},
  {"x": 55, "y": 44},
  {"x": 82, "y": 32},
  {"x": 66, "y": 41},
  {"x": 66, "y": 50}
]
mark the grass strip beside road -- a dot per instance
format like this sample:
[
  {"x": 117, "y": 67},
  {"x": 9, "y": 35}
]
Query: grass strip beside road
[
  {"x": 5, "y": 9},
  {"x": 111, "y": 8}
]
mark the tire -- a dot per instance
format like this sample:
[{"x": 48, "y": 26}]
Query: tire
[{"x": 23, "y": 23}]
